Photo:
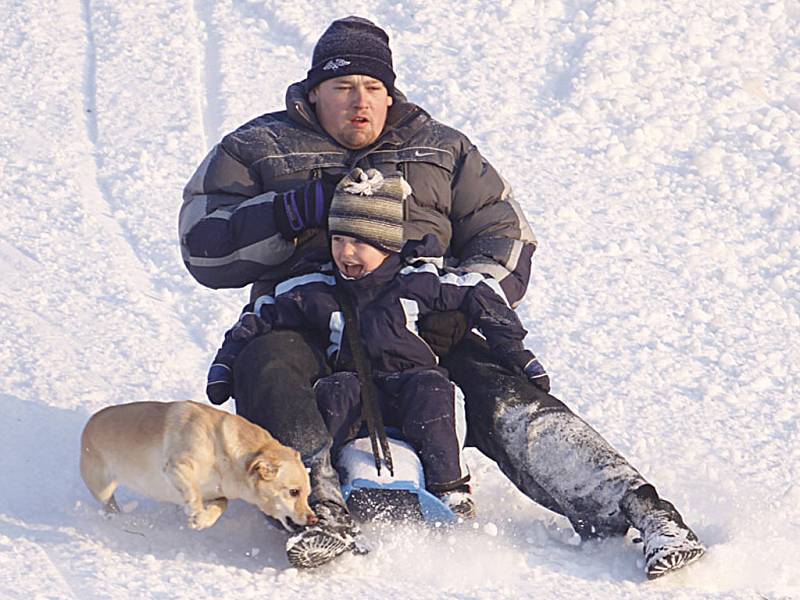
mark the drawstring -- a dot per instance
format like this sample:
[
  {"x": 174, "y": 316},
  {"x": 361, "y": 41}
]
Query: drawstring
[{"x": 370, "y": 411}]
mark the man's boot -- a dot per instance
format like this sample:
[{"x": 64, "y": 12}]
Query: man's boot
[
  {"x": 669, "y": 544},
  {"x": 335, "y": 532}
]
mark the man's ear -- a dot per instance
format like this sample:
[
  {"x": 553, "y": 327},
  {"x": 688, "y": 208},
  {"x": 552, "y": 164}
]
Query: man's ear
[
  {"x": 263, "y": 467},
  {"x": 389, "y": 100},
  {"x": 312, "y": 95}
]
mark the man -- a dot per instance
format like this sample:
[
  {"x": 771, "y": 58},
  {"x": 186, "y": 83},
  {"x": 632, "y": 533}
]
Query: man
[{"x": 257, "y": 205}]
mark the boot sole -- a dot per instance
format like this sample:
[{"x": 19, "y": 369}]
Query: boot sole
[
  {"x": 315, "y": 550},
  {"x": 673, "y": 561}
]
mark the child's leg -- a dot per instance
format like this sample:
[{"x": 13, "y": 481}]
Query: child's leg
[
  {"x": 339, "y": 400},
  {"x": 432, "y": 420}
]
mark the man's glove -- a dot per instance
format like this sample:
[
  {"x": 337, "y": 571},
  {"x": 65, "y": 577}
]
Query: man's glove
[
  {"x": 304, "y": 207},
  {"x": 443, "y": 330},
  {"x": 536, "y": 374}
]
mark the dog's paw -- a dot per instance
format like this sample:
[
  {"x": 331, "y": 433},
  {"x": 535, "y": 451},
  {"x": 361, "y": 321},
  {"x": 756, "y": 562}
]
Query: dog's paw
[{"x": 203, "y": 519}]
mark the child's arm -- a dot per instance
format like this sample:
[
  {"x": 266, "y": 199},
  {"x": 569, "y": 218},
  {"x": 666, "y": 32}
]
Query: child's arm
[
  {"x": 482, "y": 300},
  {"x": 304, "y": 302},
  {"x": 299, "y": 303},
  {"x": 219, "y": 382},
  {"x": 487, "y": 309}
]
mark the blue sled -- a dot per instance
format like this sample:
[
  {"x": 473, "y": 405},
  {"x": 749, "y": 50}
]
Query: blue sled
[{"x": 384, "y": 497}]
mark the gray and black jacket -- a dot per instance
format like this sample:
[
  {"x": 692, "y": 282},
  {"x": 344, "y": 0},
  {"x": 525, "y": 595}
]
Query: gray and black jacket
[{"x": 227, "y": 226}]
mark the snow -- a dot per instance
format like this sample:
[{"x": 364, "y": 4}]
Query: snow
[{"x": 655, "y": 148}]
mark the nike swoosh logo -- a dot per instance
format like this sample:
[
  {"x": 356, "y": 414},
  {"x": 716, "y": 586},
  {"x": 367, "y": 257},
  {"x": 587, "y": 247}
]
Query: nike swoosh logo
[{"x": 421, "y": 154}]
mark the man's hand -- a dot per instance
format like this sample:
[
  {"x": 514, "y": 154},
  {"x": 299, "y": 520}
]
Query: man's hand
[
  {"x": 536, "y": 374},
  {"x": 304, "y": 207},
  {"x": 443, "y": 330}
]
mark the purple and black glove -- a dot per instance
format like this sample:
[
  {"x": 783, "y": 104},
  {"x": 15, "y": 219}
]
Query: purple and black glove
[
  {"x": 219, "y": 385},
  {"x": 305, "y": 207},
  {"x": 524, "y": 361},
  {"x": 536, "y": 374}
]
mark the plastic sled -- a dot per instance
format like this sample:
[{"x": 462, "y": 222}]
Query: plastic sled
[{"x": 374, "y": 497}]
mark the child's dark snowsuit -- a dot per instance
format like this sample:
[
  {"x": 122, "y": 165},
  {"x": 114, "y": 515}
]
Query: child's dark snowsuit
[
  {"x": 421, "y": 403},
  {"x": 416, "y": 394}
]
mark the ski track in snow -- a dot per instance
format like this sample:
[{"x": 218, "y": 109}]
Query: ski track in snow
[{"x": 655, "y": 149}]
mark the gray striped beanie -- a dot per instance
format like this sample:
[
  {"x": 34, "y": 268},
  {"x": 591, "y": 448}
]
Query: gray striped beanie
[{"x": 368, "y": 206}]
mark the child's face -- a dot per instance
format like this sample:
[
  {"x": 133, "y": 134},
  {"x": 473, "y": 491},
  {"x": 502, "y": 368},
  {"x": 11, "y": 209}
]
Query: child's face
[{"x": 355, "y": 258}]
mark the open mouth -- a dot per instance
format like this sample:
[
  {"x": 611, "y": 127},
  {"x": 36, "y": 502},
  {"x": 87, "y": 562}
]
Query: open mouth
[
  {"x": 359, "y": 121},
  {"x": 353, "y": 271},
  {"x": 290, "y": 525}
]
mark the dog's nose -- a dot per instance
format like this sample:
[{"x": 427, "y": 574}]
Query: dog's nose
[{"x": 311, "y": 519}]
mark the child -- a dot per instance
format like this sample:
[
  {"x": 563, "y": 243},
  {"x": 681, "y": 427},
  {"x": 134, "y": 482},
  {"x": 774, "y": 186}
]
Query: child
[{"x": 391, "y": 286}]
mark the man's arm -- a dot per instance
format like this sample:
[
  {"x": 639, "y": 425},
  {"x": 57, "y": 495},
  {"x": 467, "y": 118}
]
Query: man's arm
[
  {"x": 490, "y": 233},
  {"x": 228, "y": 232}
]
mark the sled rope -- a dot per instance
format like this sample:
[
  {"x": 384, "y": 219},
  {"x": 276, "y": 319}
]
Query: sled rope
[{"x": 370, "y": 411}]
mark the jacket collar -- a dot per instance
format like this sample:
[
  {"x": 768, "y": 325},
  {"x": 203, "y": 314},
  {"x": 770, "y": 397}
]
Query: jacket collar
[{"x": 365, "y": 289}]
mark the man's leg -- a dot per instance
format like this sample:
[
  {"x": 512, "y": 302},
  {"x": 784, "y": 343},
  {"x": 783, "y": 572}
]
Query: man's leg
[
  {"x": 549, "y": 453},
  {"x": 558, "y": 460},
  {"x": 273, "y": 382}
]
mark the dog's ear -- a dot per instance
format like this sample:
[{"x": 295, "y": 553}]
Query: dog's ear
[{"x": 263, "y": 467}]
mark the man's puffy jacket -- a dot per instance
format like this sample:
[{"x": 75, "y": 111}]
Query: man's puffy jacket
[{"x": 227, "y": 227}]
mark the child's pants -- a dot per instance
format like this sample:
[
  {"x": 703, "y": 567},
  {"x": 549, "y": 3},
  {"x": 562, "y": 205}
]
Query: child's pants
[{"x": 423, "y": 404}]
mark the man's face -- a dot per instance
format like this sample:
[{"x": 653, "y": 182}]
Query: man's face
[
  {"x": 352, "y": 109},
  {"x": 354, "y": 258}
]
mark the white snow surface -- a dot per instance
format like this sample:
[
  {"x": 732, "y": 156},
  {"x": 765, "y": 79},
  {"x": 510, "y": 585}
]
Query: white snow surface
[{"x": 655, "y": 148}]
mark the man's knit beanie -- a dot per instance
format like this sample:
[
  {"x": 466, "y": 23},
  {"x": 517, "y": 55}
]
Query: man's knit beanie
[
  {"x": 369, "y": 207},
  {"x": 352, "y": 46}
]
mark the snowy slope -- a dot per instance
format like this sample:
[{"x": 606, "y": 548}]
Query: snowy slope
[{"x": 654, "y": 146}]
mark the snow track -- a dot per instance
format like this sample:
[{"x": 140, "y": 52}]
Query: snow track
[{"x": 654, "y": 148}]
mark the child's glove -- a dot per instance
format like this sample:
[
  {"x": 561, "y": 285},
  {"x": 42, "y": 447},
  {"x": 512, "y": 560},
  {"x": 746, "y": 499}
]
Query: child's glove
[
  {"x": 249, "y": 326},
  {"x": 536, "y": 374},
  {"x": 219, "y": 385}
]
